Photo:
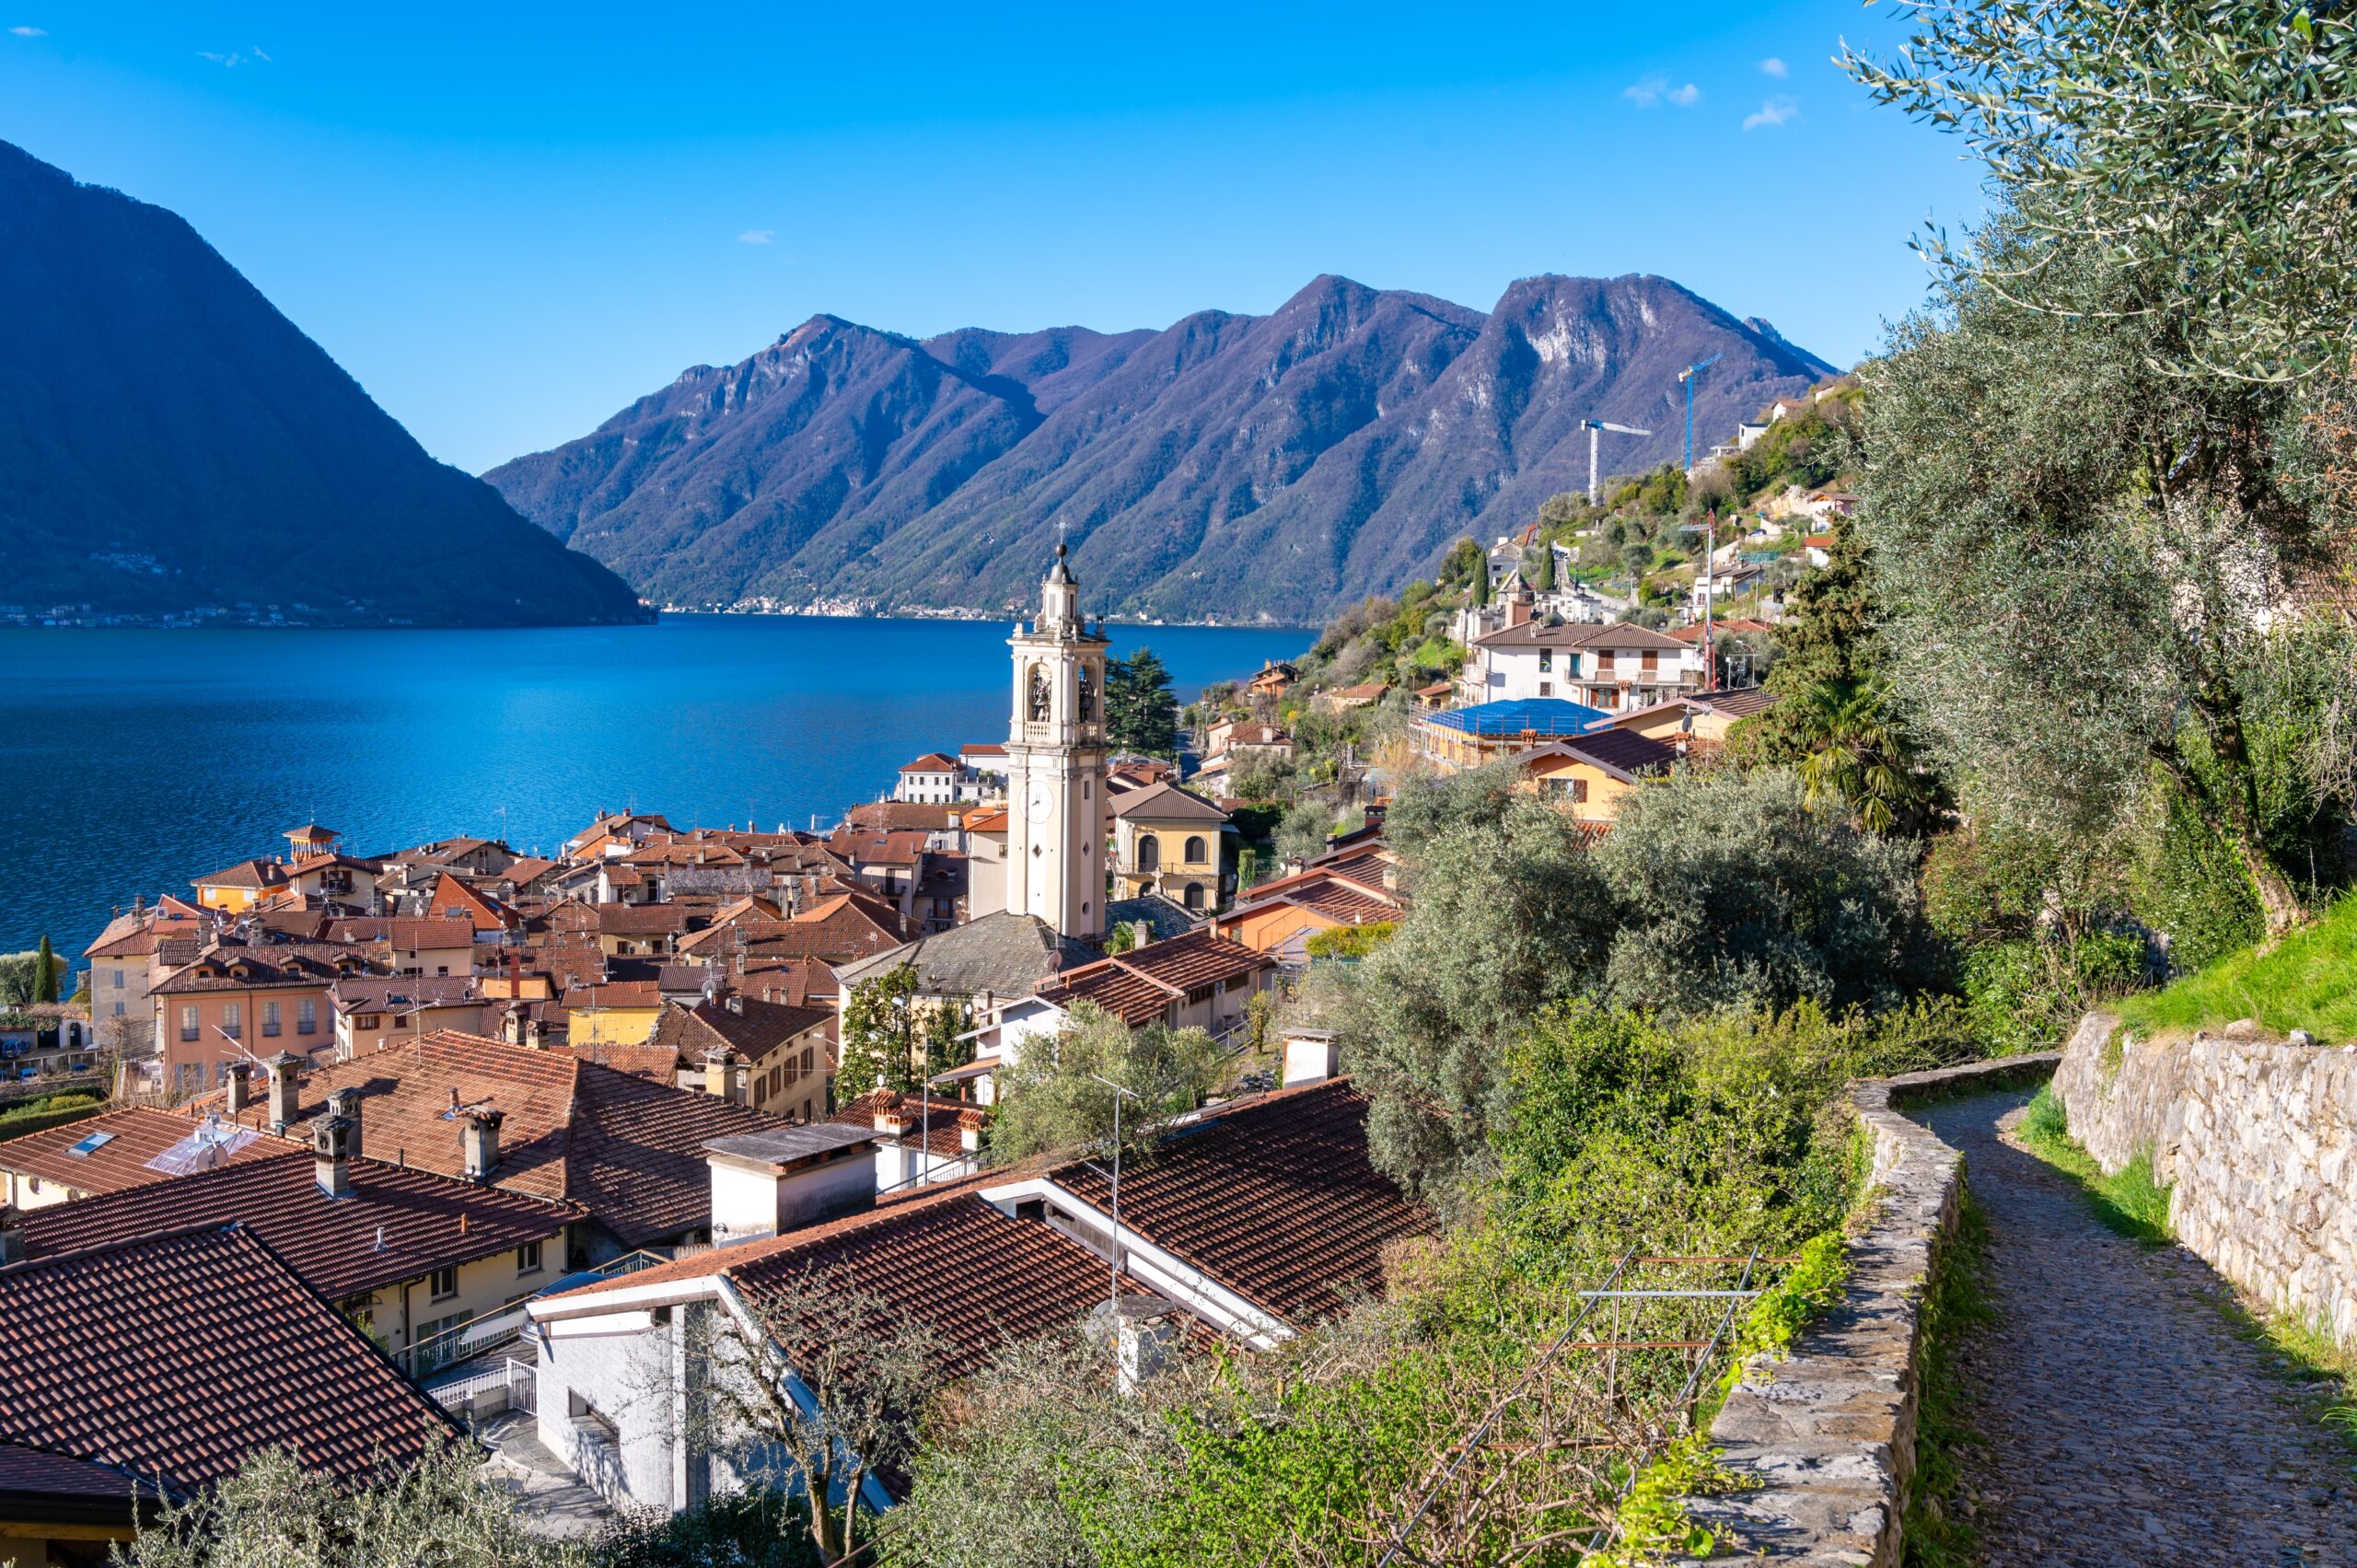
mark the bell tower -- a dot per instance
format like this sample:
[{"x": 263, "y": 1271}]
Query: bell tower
[{"x": 1055, "y": 764}]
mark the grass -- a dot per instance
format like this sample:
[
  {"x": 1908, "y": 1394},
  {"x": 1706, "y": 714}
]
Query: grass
[
  {"x": 2306, "y": 981},
  {"x": 1939, "y": 1530},
  {"x": 2129, "y": 1201}
]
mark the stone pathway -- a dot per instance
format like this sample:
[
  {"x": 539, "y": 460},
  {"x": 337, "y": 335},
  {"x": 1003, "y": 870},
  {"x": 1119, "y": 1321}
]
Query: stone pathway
[{"x": 2123, "y": 1422}]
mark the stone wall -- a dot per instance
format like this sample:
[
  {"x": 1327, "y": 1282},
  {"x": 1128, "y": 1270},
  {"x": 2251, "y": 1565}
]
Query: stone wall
[
  {"x": 1826, "y": 1437},
  {"x": 2260, "y": 1140}
]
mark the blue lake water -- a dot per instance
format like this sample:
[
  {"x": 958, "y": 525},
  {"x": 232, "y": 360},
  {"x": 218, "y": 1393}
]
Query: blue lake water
[{"x": 133, "y": 761}]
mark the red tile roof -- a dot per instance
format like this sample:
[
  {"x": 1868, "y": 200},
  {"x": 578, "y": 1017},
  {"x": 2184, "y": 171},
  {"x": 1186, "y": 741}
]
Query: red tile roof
[
  {"x": 931, "y": 763},
  {"x": 397, "y": 1224},
  {"x": 178, "y": 1354},
  {"x": 1140, "y": 986}
]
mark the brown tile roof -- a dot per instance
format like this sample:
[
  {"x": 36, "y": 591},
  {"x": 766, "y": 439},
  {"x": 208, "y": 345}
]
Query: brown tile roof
[
  {"x": 752, "y": 1028},
  {"x": 1740, "y": 703},
  {"x": 629, "y": 1151},
  {"x": 640, "y": 920},
  {"x": 897, "y": 846},
  {"x": 266, "y": 966},
  {"x": 1576, "y": 634},
  {"x": 402, "y": 931},
  {"x": 134, "y": 1136},
  {"x": 945, "y": 1257},
  {"x": 178, "y": 1355},
  {"x": 931, "y": 763},
  {"x": 1274, "y": 1196},
  {"x": 900, "y": 816},
  {"x": 398, "y": 1224},
  {"x": 1140, "y": 986},
  {"x": 1166, "y": 802},
  {"x": 1623, "y": 753},
  {"x": 257, "y": 873}
]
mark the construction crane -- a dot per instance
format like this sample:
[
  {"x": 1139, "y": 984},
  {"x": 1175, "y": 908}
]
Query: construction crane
[
  {"x": 1592, "y": 426},
  {"x": 1689, "y": 375}
]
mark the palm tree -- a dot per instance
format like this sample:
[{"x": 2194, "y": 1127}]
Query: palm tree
[{"x": 1858, "y": 756}]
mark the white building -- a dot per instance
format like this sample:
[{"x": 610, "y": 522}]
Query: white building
[
  {"x": 932, "y": 780},
  {"x": 1055, "y": 764},
  {"x": 1614, "y": 668}
]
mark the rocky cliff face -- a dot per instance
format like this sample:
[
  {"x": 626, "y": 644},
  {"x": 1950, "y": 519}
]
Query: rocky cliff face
[
  {"x": 168, "y": 440},
  {"x": 1230, "y": 466}
]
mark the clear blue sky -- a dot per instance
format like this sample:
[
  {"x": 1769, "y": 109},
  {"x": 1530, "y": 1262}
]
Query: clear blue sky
[{"x": 509, "y": 220}]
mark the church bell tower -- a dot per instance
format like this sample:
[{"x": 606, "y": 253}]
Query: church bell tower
[{"x": 1055, "y": 757}]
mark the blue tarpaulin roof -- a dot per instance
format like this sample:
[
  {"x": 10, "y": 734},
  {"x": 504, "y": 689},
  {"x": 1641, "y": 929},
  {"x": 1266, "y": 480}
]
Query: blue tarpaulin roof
[{"x": 1538, "y": 715}]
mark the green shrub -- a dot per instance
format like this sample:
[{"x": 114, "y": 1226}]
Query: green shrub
[{"x": 2026, "y": 994}]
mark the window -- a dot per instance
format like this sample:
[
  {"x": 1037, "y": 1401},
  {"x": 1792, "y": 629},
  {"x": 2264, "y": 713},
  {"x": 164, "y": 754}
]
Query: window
[
  {"x": 1652, "y": 661},
  {"x": 443, "y": 1286},
  {"x": 1546, "y": 660},
  {"x": 366, "y": 1021},
  {"x": 528, "y": 1260},
  {"x": 269, "y": 1018},
  {"x": 1546, "y": 688},
  {"x": 1570, "y": 791},
  {"x": 118, "y": 980},
  {"x": 233, "y": 1019},
  {"x": 1195, "y": 851},
  {"x": 1194, "y": 894},
  {"x": 188, "y": 1021},
  {"x": 1149, "y": 852},
  {"x": 118, "y": 1007},
  {"x": 307, "y": 1016}
]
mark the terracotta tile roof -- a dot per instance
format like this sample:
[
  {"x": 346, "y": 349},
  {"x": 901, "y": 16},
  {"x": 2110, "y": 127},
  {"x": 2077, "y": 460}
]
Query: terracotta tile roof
[
  {"x": 931, "y": 763},
  {"x": 47, "y": 1487},
  {"x": 1739, "y": 703},
  {"x": 982, "y": 748},
  {"x": 629, "y": 1151},
  {"x": 1274, "y": 1198},
  {"x": 405, "y": 932},
  {"x": 798, "y": 982},
  {"x": 628, "y": 995},
  {"x": 1576, "y": 634},
  {"x": 938, "y": 1121},
  {"x": 522, "y": 873},
  {"x": 640, "y": 920},
  {"x": 134, "y": 1136},
  {"x": 256, "y": 874},
  {"x": 1166, "y": 802},
  {"x": 1140, "y": 985},
  {"x": 897, "y": 846},
  {"x": 176, "y": 1355},
  {"x": 988, "y": 820},
  {"x": 398, "y": 1224}
]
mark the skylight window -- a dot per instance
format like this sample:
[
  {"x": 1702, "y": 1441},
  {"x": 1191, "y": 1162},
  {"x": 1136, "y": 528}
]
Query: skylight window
[{"x": 90, "y": 1145}]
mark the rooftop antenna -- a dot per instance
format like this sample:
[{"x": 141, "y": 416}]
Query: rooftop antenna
[
  {"x": 1689, "y": 376},
  {"x": 1113, "y": 1299}
]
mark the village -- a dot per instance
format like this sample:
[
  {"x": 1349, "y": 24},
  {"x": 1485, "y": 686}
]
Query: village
[{"x": 443, "y": 1136}]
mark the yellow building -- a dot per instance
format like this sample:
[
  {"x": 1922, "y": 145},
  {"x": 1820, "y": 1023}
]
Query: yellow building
[
  {"x": 1588, "y": 776},
  {"x": 1698, "y": 722},
  {"x": 1166, "y": 841}
]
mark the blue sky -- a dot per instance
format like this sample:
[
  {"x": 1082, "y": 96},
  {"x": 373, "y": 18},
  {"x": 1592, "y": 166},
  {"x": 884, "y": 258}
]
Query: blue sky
[{"x": 509, "y": 220}]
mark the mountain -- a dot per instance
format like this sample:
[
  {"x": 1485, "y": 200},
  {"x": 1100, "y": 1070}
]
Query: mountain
[
  {"x": 1230, "y": 466},
  {"x": 170, "y": 441}
]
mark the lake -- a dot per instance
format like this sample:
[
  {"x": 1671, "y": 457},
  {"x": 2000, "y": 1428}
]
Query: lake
[{"x": 133, "y": 761}]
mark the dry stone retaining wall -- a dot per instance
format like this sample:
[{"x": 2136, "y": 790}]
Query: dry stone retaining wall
[
  {"x": 1825, "y": 1438},
  {"x": 2260, "y": 1140}
]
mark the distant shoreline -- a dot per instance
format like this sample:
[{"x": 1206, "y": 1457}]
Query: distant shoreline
[{"x": 224, "y": 622}]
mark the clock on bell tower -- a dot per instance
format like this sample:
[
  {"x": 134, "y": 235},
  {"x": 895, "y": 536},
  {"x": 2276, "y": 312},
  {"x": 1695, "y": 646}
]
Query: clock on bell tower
[{"x": 1055, "y": 757}]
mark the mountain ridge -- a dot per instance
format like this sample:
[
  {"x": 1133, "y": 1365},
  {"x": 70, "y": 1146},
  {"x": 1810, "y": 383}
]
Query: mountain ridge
[
  {"x": 1228, "y": 466},
  {"x": 170, "y": 443}
]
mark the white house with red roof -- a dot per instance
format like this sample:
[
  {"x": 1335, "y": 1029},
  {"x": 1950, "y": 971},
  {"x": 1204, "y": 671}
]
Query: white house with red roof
[{"x": 931, "y": 780}]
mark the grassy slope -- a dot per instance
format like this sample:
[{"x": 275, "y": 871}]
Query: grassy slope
[{"x": 2306, "y": 981}]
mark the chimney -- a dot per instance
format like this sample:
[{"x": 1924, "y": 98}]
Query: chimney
[
  {"x": 478, "y": 1140},
  {"x": 239, "y": 1095},
  {"x": 1311, "y": 1055},
  {"x": 283, "y": 1090},
  {"x": 1145, "y": 1339},
  {"x": 736, "y": 1003},
  {"x": 1518, "y": 605},
  {"x": 718, "y": 1078},
  {"x": 345, "y": 1103},
  {"x": 331, "y": 1139},
  {"x": 1140, "y": 934},
  {"x": 1391, "y": 877},
  {"x": 970, "y": 1131},
  {"x": 12, "y": 1235}
]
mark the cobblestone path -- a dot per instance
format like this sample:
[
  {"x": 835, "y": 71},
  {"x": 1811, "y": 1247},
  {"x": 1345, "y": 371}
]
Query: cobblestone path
[{"x": 2123, "y": 1422}]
